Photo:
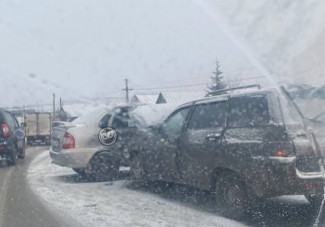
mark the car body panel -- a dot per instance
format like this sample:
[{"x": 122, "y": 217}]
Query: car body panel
[
  {"x": 250, "y": 152},
  {"x": 86, "y": 134},
  {"x": 17, "y": 135}
]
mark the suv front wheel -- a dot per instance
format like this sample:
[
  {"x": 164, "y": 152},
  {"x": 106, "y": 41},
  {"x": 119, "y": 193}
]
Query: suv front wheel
[{"x": 231, "y": 196}]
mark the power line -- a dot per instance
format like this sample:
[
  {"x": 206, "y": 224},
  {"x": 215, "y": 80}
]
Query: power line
[
  {"x": 195, "y": 85},
  {"x": 180, "y": 86}
]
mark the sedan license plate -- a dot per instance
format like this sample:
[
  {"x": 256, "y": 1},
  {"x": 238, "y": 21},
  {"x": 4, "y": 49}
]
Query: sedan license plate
[{"x": 55, "y": 143}]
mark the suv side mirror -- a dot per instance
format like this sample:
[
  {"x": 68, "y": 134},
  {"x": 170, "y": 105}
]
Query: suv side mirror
[{"x": 23, "y": 125}]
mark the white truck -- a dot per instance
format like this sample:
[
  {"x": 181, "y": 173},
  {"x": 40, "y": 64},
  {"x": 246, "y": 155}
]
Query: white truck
[{"x": 38, "y": 128}]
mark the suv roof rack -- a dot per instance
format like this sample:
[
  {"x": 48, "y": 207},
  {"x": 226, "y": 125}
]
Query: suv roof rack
[{"x": 232, "y": 89}]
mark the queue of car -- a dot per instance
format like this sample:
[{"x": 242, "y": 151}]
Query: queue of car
[{"x": 240, "y": 146}]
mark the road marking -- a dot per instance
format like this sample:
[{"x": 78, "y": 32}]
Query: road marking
[{"x": 3, "y": 195}]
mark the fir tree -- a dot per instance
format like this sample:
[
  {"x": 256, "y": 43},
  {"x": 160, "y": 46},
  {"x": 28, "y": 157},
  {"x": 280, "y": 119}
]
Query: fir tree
[{"x": 217, "y": 80}]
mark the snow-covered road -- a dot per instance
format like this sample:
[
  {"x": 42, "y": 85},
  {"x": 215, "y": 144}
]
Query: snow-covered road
[{"x": 117, "y": 203}]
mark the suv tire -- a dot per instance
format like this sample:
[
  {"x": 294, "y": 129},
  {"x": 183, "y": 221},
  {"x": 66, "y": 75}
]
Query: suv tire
[
  {"x": 102, "y": 168},
  {"x": 12, "y": 157},
  {"x": 314, "y": 200},
  {"x": 231, "y": 196},
  {"x": 21, "y": 154},
  {"x": 137, "y": 172}
]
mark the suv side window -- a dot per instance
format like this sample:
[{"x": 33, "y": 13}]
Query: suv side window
[
  {"x": 248, "y": 111},
  {"x": 210, "y": 115},
  {"x": 174, "y": 124}
]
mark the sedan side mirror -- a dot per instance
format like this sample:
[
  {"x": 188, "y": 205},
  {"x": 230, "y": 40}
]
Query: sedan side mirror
[{"x": 23, "y": 125}]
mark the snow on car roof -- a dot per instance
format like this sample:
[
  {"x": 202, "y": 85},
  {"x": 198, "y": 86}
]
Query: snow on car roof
[
  {"x": 92, "y": 114},
  {"x": 152, "y": 114},
  {"x": 232, "y": 94}
]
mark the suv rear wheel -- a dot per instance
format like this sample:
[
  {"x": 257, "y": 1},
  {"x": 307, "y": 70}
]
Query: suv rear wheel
[
  {"x": 21, "y": 153},
  {"x": 12, "y": 157},
  {"x": 314, "y": 200},
  {"x": 231, "y": 195}
]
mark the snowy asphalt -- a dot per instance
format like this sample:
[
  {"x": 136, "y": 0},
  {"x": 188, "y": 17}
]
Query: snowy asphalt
[{"x": 18, "y": 204}]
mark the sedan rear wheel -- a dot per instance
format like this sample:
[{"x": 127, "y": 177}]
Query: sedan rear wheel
[
  {"x": 102, "y": 167},
  {"x": 79, "y": 171}
]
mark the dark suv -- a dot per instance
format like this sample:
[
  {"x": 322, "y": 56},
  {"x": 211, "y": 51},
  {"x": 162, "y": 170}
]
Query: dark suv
[
  {"x": 241, "y": 146},
  {"x": 12, "y": 138}
]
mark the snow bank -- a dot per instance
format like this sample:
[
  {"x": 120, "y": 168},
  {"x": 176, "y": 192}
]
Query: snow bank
[{"x": 112, "y": 203}]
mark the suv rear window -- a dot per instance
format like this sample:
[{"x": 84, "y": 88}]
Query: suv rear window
[
  {"x": 248, "y": 111},
  {"x": 211, "y": 115}
]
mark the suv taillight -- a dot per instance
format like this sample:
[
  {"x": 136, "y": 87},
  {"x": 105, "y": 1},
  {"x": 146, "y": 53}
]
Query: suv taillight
[
  {"x": 281, "y": 153},
  {"x": 68, "y": 141},
  {"x": 5, "y": 130}
]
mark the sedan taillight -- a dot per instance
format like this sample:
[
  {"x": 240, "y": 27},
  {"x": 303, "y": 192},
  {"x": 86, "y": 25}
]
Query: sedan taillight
[
  {"x": 68, "y": 141},
  {"x": 5, "y": 130}
]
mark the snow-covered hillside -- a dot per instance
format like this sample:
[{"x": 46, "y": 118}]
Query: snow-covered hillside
[{"x": 287, "y": 36}]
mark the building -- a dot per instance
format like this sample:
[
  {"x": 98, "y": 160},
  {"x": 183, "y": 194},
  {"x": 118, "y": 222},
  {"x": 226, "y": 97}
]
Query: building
[
  {"x": 179, "y": 97},
  {"x": 144, "y": 99}
]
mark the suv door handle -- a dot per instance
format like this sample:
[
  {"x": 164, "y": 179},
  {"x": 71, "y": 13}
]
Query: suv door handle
[{"x": 213, "y": 136}]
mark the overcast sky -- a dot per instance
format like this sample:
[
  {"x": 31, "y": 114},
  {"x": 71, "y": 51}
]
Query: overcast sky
[{"x": 83, "y": 47}]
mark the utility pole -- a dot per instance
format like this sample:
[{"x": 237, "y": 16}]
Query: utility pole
[
  {"x": 127, "y": 89},
  {"x": 53, "y": 105},
  {"x": 60, "y": 103}
]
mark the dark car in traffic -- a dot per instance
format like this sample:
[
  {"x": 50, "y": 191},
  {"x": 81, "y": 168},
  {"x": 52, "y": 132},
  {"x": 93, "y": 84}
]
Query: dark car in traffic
[
  {"x": 12, "y": 138},
  {"x": 242, "y": 146}
]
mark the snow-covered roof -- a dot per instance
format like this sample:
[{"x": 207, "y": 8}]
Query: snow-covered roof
[
  {"x": 175, "y": 97},
  {"x": 144, "y": 99}
]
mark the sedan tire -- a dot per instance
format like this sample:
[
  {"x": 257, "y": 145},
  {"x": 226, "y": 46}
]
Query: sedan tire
[{"x": 102, "y": 167}]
